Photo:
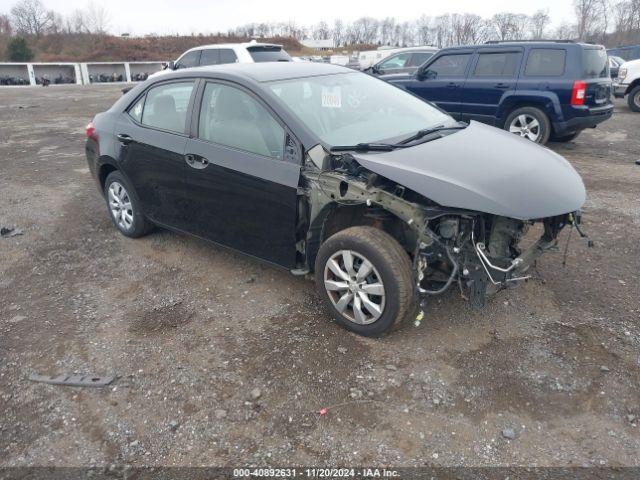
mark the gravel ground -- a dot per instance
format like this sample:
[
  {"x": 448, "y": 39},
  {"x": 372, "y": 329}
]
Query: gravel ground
[{"x": 222, "y": 360}]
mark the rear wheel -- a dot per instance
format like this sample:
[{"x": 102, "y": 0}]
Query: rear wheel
[
  {"x": 530, "y": 123},
  {"x": 364, "y": 277},
  {"x": 634, "y": 99},
  {"x": 124, "y": 206},
  {"x": 566, "y": 138}
]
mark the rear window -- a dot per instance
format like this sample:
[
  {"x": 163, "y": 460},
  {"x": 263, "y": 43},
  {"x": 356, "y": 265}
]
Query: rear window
[
  {"x": 545, "y": 62},
  {"x": 268, "y": 54},
  {"x": 594, "y": 63}
]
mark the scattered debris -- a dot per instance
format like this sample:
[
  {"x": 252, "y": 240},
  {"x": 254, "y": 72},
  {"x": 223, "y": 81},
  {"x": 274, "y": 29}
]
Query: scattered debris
[
  {"x": 17, "y": 318},
  {"x": 436, "y": 401},
  {"x": 323, "y": 411},
  {"x": 72, "y": 380},
  {"x": 255, "y": 394},
  {"x": 342, "y": 350},
  {"x": 355, "y": 393},
  {"x": 631, "y": 418},
  {"x": 220, "y": 413},
  {"x": 173, "y": 425},
  {"x": 604, "y": 368},
  {"x": 10, "y": 232},
  {"x": 391, "y": 367},
  {"x": 509, "y": 433}
]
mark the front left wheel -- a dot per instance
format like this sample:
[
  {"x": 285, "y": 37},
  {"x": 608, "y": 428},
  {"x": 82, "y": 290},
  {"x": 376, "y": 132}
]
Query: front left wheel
[
  {"x": 364, "y": 277},
  {"x": 124, "y": 207}
]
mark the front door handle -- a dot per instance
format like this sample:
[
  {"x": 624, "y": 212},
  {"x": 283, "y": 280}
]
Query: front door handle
[
  {"x": 124, "y": 138},
  {"x": 196, "y": 161},
  {"x": 452, "y": 85},
  {"x": 501, "y": 85}
]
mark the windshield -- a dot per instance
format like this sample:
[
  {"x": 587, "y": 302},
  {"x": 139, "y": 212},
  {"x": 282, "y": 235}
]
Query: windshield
[{"x": 352, "y": 108}]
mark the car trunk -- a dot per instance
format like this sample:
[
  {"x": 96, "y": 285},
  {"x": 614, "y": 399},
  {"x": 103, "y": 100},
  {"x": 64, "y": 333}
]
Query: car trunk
[{"x": 595, "y": 73}]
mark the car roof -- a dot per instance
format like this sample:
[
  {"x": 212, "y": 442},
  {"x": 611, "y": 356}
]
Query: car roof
[
  {"x": 515, "y": 43},
  {"x": 233, "y": 45},
  {"x": 263, "y": 71}
]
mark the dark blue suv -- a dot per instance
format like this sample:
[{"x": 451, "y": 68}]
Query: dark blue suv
[{"x": 539, "y": 90}]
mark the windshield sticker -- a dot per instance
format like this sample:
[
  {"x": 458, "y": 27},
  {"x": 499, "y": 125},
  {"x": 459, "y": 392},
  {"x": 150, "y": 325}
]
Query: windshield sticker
[{"x": 331, "y": 97}]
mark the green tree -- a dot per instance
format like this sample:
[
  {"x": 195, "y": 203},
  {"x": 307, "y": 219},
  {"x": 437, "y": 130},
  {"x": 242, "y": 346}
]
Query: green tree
[{"x": 18, "y": 50}]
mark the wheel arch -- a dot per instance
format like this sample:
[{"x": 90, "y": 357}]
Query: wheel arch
[
  {"x": 105, "y": 167},
  {"x": 335, "y": 217},
  {"x": 544, "y": 103}
]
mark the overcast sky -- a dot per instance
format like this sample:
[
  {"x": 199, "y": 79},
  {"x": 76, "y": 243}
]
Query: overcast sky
[{"x": 186, "y": 16}]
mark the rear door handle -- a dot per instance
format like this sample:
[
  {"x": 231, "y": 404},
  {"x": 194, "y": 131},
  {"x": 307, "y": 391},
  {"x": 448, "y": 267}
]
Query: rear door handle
[
  {"x": 124, "y": 138},
  {"x": 452, "y": 85},
  {"x": 501, "y": 85},
  {"x": 196, "y": 161}
]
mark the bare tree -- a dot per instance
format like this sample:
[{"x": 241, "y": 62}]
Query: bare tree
[
  {"x": 30, "y": 17},
  {"x": 338, "y": 32},
  {"x": 97, "y": 18},
  {"x": 5, "y": 25},
  {"x": 321, "y": 31},
  {"x": 538, "y": 24},
  {"x": 592, "y": 19},
  {"x": 565, "y": 31}
]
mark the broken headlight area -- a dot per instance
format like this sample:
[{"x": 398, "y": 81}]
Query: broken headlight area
[{"x": 481, "y": 253}]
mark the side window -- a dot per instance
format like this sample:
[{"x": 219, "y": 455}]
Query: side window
[
  {"x": 497, "y": 64},
  {"x": 449, "y": 65},
  {"x": 210, "y": 56},
  {"x": 545, "y": 62},
  {"x": 136, "y": 110},
  {"x": 233, "y": 118},
  {"x": 419, "y": 58},
  {"x": 397, "y": 61},
  {"x": 228, "y": 56},
  {"x": 166, "y": 106},
  {"x": 188, "y": 60}
]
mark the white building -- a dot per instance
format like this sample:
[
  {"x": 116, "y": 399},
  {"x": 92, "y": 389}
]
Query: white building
[{"x": 319, "y": 45}]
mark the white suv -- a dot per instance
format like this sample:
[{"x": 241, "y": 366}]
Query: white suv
[
  {"x": 217, "y": 54},
  {"x": 628, "y": 83}
]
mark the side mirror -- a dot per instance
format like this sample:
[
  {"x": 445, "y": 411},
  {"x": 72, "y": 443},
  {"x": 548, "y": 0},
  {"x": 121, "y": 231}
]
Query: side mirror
[{"x": 171, "y": 65}]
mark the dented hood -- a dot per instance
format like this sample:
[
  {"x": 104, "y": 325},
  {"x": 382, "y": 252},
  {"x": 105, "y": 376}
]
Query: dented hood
[{"x": 485, "y": 169}]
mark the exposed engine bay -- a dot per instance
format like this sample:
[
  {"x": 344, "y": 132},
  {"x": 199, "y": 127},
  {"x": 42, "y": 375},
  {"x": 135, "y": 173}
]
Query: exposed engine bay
[{"x": 478, "y": 253}]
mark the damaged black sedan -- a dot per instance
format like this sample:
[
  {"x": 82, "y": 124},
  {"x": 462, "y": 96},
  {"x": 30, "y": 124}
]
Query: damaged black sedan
[{"x": 319, "y": 169}]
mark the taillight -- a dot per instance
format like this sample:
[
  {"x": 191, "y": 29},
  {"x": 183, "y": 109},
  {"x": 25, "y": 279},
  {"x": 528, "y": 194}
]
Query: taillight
[
  {"x": 579, "y": 92},
  {"x": 90, "y": 130}
]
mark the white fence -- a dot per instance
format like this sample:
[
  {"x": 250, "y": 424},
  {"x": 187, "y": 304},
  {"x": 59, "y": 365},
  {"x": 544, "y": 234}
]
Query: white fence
[{"x": 12, "y": 74}]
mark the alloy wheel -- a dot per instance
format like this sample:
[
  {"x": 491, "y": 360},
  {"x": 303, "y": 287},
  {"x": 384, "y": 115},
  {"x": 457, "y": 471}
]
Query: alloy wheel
[
  {"x": 120, "y": 206},
  {"x": 526, "y": 126},
  {"x": 354, "y": 287}
]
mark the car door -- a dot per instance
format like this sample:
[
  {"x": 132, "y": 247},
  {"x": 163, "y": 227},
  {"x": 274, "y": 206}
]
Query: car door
[
  {"x": 242, "y": 192},
  {"x": 492, "y": 77},
  {"x": 152, "y": 136},
  {"x": 441, "y": 80}
]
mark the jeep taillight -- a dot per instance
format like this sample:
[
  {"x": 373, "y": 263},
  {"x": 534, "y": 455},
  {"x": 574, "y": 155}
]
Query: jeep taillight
[
  {"x": 90, "y": 131},
  {"x": 579, "y": 92}
]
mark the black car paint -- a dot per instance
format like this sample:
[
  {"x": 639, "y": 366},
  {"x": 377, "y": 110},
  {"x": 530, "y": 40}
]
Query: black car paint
[{"x": 225, "y": 203}]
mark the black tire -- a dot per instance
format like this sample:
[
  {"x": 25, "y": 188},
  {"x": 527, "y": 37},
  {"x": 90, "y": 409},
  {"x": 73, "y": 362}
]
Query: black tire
[
  {"x": 543, "y": 121},
  {"x": 566, "y": 138},
  {"x": 633, "y": 99},
  {"x": 389, "y": 260},
  {"x": 139, "y": 226}
]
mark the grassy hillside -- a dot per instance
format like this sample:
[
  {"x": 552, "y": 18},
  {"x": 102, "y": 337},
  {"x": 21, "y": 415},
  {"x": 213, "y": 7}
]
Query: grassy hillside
[{"x": 84, "y": 47}]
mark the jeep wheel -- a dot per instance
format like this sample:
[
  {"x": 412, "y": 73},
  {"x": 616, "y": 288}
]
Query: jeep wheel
[
  {"x": 364, "y": 277},
  {"x": 634, "y": 99},
  {"x": 124, "y": 207},
  {"x": 530, "y": 123}
]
